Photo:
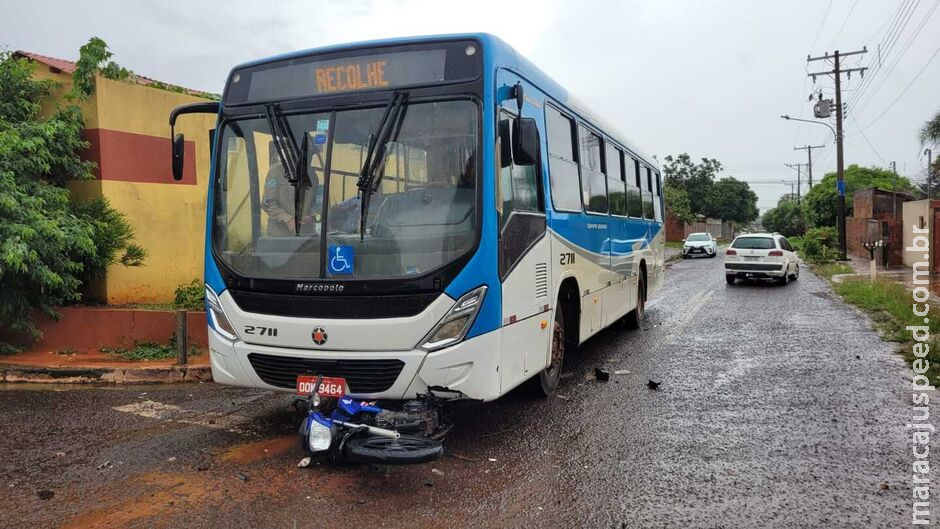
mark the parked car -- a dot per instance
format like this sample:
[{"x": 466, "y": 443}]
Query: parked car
[
  {"x": 761, "y": 255},
  {"x": 699, "y": 244}
]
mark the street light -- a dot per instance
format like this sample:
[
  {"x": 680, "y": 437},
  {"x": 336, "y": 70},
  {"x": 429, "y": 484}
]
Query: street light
[
  {"x": 785, "y": 116},
  {"x": 840, "y": 173}
]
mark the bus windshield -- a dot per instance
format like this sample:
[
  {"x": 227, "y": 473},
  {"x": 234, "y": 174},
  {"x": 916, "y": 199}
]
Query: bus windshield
[{"x": 269, "y": 224}]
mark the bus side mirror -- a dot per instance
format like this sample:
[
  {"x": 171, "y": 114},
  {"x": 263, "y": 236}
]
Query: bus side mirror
[
  {"x": 179, "y": 145},
  {"x": 525, "y": 141}
]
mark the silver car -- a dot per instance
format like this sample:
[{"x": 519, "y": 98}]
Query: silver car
[{"x": 699, "y": 244}]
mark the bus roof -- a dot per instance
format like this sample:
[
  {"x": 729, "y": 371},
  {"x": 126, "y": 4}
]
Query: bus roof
[{"x": 500, "y": 54}]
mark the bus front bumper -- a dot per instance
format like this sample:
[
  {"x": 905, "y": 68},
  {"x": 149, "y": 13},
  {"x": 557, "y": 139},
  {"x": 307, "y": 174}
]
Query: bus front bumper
[{"x": 469, "y": 368}]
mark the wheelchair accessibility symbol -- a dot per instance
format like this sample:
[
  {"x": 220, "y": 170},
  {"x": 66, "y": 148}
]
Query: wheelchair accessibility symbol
[{"x": 341, "y": 260}]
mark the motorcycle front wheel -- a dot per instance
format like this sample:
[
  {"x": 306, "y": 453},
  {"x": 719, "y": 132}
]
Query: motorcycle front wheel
[{"x": 406, "y": 450}]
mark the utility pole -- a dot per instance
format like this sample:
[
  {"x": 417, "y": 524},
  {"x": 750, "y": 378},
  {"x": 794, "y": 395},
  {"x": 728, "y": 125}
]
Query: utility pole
[
  {"x": 798, "y": 167},
  {"x": 837, "y": 72},
  {"x": 929, "y": 154},
  {"x": 894, "y": 191},
  {"x": 809, "y": 162}
]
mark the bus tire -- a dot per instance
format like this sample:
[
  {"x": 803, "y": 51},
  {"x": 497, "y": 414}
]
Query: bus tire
[
  {"x": 546, "y": 382},
  {"x": 634, "y": 319}
]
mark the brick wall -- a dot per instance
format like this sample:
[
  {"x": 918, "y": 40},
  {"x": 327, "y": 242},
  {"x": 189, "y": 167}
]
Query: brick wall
[{"x": 859, "y": 230}]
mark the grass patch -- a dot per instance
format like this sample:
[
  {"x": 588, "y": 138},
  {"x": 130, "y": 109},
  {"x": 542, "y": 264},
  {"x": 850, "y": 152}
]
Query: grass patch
[
  {"x": 676, "y": 244},
  {"x": 832, "y": 269},
  {"x": 890, "y": 305},
  {"x": 147, "y": 351}
]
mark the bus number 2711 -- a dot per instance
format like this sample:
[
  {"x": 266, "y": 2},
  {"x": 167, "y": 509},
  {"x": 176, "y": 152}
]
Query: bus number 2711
[
  {"x": 567, "y": 258},
  {"x": 261, "y": 331}
]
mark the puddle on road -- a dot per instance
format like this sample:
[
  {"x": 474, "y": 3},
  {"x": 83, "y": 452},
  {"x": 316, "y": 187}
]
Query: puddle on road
[{"x": 256, "y": 451}]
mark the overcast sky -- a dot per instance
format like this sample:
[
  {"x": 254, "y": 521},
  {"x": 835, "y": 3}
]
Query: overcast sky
[{"x": 707, "y": 78}]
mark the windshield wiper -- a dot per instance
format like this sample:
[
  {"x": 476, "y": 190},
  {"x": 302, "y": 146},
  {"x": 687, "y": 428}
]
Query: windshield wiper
[
  {"x": 293, "y": 160},
  {"x": 370, "y": 176},
  {"x": 284, "y": 143}
]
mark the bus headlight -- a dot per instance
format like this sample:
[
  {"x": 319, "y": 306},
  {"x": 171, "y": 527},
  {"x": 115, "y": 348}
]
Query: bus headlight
[
  {"x": 219, "y": 320},
  {"x": 454, "y": 325}
]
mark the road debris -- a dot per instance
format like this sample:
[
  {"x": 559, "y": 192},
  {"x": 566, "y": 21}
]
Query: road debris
[
  {"x": 45, "y": 494},
  {"x": 563, "y": 397},
  {"x": 438, "y": 472},
  {"x": 242, "y": 476},
  {"x": 104, "y": 466},
  {"x": 171, "y": 459},
  {"x": 460, "y": 457},
  {"x": 621, "y": 372},
  {"x": 652, "y": 384},
  {"x": 602, "y": 375},
  {"x": 305, "y": 462},
  {"x": 492, "y": 459}
]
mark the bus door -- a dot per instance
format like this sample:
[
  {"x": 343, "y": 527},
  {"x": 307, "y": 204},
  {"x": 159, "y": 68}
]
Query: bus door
[
  {"x": 524, "y": 265},
  {"x": 619, "y": 296}
]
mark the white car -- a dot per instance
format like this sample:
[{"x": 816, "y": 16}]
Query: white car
[
  {"x": 699, "y": 244},
  {"x": 761, "y": 255}
]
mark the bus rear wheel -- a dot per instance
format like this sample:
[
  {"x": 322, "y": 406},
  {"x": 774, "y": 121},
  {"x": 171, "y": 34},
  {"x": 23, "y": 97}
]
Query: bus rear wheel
[{"x": 546, "y": 382}]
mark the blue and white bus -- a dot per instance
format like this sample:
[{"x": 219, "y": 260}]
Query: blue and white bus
[{"x": 415, "y": 215}]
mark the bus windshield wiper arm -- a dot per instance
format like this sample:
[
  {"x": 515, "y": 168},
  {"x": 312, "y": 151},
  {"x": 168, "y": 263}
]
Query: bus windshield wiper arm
[
  {"x": 284, "y": 143},
  {"x": 369, "y": 175}
]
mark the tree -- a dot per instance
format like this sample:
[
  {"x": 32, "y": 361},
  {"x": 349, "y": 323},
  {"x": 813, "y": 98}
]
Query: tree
[
  {"x": 677, "y": 203},
  {"x": 822, "y": 200},
  {"x": 788, "y": 218},
  {"x": 930, "y": 132},
  {"x": 696, "y": 179},
  {"x": 732, "y": 199},
  {"x": 49, "y": 247}
]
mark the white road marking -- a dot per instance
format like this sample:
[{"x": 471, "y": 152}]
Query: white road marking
[{"x": 161, "y": 411}]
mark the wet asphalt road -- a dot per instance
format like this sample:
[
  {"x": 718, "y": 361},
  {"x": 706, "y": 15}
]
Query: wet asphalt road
[{"x": 779, "y": 407}]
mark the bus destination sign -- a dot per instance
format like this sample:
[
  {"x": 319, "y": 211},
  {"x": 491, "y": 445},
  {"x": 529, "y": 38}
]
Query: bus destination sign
[
  {"x": 379, "y": 71},
  {"x": 385, "y": 68}
]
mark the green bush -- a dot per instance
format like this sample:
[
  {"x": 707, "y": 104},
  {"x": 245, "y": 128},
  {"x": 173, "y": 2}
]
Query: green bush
[
  {"x": 190, "y": 296},
  {"x": 49, "y": 247},
  {"x": 819, "y": 245}
]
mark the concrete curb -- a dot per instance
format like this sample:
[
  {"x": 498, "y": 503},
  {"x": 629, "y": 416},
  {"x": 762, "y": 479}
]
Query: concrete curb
[{"x": 104, "y": 375}]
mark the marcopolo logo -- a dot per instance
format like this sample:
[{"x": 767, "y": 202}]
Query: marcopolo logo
[
  {"x": 330, "y": 288},
  {"x": 319, "y": 336}
]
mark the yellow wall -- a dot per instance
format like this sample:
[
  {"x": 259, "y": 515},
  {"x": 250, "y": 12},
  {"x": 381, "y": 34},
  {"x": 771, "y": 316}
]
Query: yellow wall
[{"x": 168, "y": 218}]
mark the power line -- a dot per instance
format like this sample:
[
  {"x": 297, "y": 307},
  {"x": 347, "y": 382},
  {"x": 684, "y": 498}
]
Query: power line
[
  {"x": 844, "y": 22},
  {"x": 860, "y": 131},
  {"x": 906, "y": 88},
  {"x": 821, "y": 26},
  {"x": 885, "y": 47},
  {"x": 871, "y": 95}
]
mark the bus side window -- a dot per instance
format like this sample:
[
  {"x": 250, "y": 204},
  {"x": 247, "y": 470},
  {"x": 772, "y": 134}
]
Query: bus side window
[
  {"x": 616, "y": 191},
  {"x": 634, "y": 200},
  {"x": 518, "y": 184},
  {"x": 647, "y": 186},
  {"x": 657, "y": 200},
  {"x": 593, "y": 181},
  {"x": 562, "y": 165}
]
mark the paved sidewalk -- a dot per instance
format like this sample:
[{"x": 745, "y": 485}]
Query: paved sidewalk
[{"x": 99, "y": 368}]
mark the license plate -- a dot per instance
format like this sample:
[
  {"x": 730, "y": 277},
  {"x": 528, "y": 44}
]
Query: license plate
[
  {"x": 329, "y": 386},
  {"x": 752, "y": 258}
]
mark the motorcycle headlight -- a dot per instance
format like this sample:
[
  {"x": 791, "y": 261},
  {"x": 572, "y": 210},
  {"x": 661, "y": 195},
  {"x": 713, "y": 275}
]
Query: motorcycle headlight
[
  {"x": 320, "y": 437},
  {"x": 454, "y": 325},
  {"x": 219, "y": 321}
]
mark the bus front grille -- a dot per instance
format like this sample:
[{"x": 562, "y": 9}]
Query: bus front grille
[{"x": 362, "y": 376}]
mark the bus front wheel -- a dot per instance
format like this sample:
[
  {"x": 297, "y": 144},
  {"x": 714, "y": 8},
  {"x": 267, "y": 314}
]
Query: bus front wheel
[{"x": 546, "y": 382}]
